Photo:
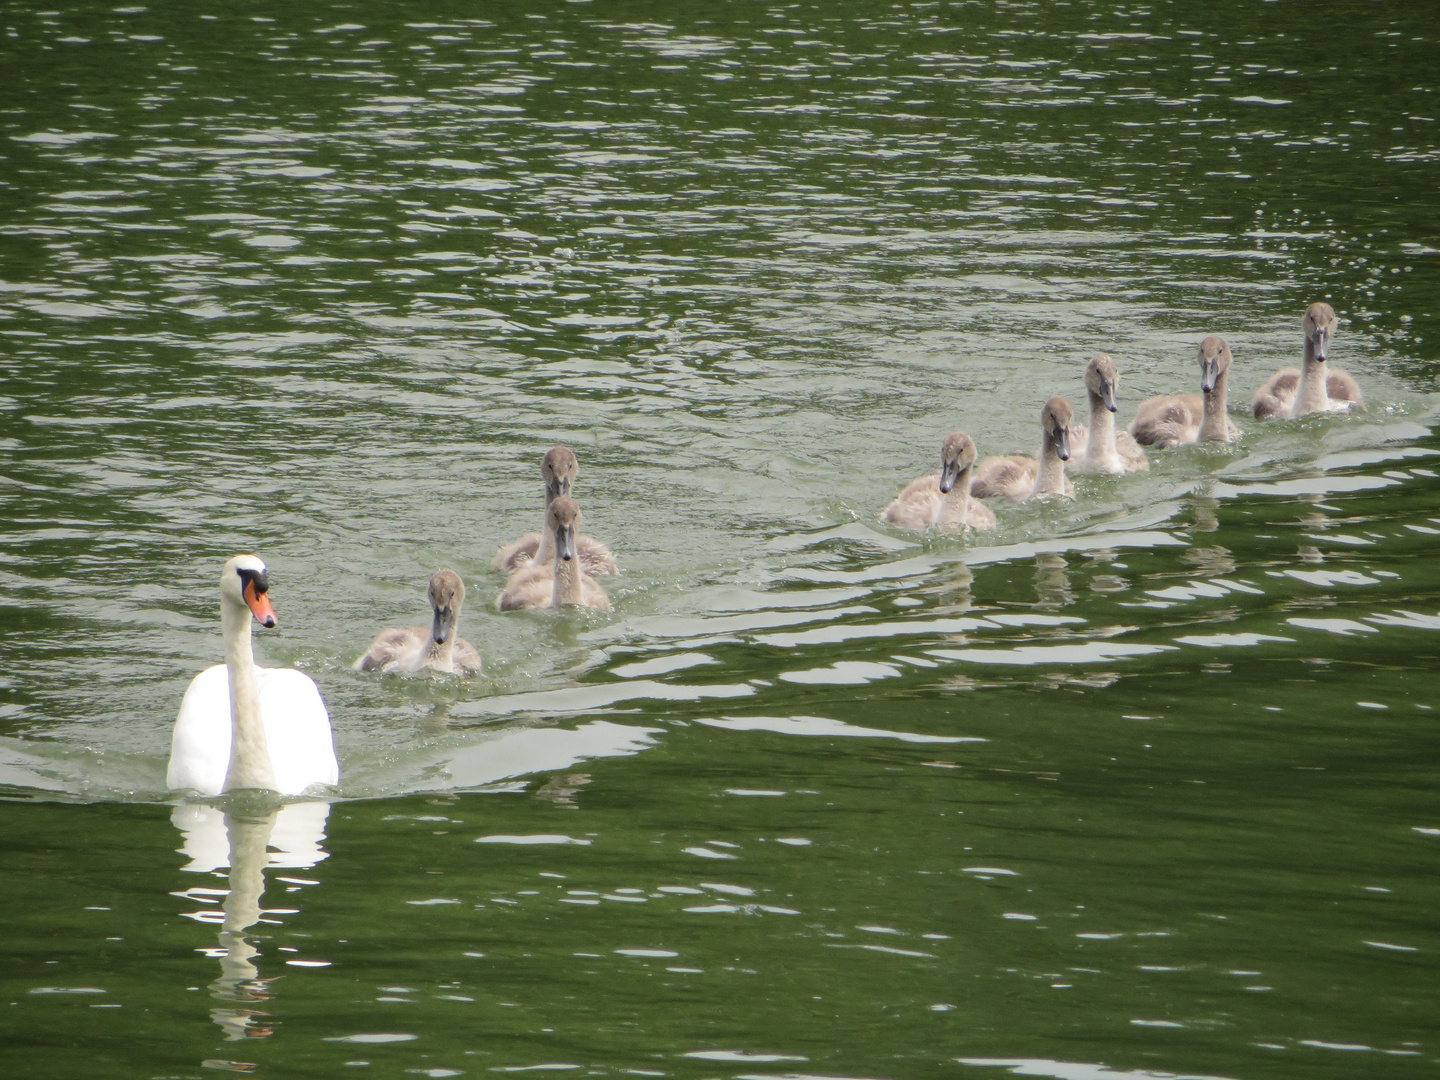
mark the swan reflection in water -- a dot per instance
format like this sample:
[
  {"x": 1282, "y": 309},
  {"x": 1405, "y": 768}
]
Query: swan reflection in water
[{"x": 247, "y": 836}]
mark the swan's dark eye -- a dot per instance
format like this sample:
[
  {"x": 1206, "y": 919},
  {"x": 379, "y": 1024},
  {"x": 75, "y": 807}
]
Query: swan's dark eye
[{"x": 258, "y": 578}]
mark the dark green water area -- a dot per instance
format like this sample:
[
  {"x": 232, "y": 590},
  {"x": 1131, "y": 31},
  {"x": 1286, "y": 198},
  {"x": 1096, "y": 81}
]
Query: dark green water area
[{"x": 1140, "y": 786}]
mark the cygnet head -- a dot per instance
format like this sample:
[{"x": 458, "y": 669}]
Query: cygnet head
[
  {"x": 1214, "y": 358},
  {"x": 563, "y": 518},
  {"x": 1320, "y": 323},
  {"x": 1055, "y": 418},
  {"x": 957, "y": 454},
  {"x": 1102, "y": 378},
  {"x": 244, "y": 582},
  {"x": 560, "y": 467},
  {"x": 447, "y": 593}
]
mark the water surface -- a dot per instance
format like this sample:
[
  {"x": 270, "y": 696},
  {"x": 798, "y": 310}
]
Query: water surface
[{"x": 1137, "y": 786}]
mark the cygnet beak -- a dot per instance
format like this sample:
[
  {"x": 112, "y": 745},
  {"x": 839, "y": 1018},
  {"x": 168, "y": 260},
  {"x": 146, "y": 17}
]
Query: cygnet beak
[{"x": 949, "y": 475}]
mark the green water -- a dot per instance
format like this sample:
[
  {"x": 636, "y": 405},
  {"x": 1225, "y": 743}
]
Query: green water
[{"x": 1134, "y": 787}]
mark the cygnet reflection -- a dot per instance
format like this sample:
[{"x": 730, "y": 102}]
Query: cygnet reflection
[
  {"x": 1052, "y": 580},
  {"x": 953, "y": 587},
  {"x": 1205, "y": 509}
]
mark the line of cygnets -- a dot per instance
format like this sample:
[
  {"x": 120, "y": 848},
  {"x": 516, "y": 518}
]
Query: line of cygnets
[
  {"x": 245, "y": 727},
  {"x": 950, "y": 498}
]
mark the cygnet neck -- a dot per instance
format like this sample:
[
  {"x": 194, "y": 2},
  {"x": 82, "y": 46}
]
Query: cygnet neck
[
  {"x": 250, "y": 767},
  {"x": 569, "y": 585},
  {"x": 955, "y": 505},
  {"x": 1312, "y": 396},
  {"x": 1215, "y": 427},
  {"x": 441, "y": 654},
  {"x": 545, "y": 553},
  {"x": 1050, "y": 477},
  {"x": 1101, "y": 447}
]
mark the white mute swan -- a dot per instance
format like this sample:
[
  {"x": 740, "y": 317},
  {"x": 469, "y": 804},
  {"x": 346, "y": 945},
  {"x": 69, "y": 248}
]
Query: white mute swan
[
  {"x": 559, "y": 467},
  {"x": 243, "y": 727},
  {"x": 1022, "y": 478},
  {"x": 1100, "y": 448},
  {"x": 1316, "y": 387},
  {"x": 437, "y": 648},
  {"x": 942, "y": 500},
  {"x": 562, "y": 582},
  {"x": 1173, "y": 419}
]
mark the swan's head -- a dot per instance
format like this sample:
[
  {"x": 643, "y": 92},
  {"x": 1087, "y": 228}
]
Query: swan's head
[
  {"x": 1055, "y": 419},
  {"x": 447, "y": 593},
  {"x": 243, "y": 582},
  {"x": 1214, "y": 358},
  {"x": 559, "y": 468},
  {"x": 1102, "y": 379},
  {"x": 956, "y": 455},
  {"x": 563, "y": 519},
  {"x": 1320, "y": 323}
]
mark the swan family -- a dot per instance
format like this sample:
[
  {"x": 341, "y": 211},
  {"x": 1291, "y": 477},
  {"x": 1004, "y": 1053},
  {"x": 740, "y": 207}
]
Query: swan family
[{"x": 244, "y": 727}]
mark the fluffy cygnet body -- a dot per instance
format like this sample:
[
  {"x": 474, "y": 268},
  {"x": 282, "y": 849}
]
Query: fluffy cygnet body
[
  {"x": 1170, "y": 420},
  {"x": 433, "y": 648},
  {"x": 1100, "y": 448},
  {"x": 559, "y": 468},
  {"x": 561, "y": 582},
  {"x": 942, "y": 500},
  {"x": 1314, "y": 388},
  {"x": 1021, "y": 478}
]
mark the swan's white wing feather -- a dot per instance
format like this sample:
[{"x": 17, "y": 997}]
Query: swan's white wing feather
[
  {"x": 200, "y": 743},
  {"x": 297, "y": 731}
]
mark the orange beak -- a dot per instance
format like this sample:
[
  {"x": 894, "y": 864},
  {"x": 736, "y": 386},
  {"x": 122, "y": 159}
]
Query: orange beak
[{"x": 259, "y": 603}]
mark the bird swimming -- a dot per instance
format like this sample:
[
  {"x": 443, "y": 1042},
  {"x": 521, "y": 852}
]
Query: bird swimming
[
  {"x": 1315, "y": 387},
  {"x": 243, "y": 727},
  {"x": 559, "y": 468},
  {"x": 436, "y": 647},
  {"x": 942, "y": 500},
  {"x": 562, "y": 582}
]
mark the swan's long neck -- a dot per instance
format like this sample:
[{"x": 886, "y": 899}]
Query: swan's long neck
[
  {"x": 1050, "y": 476},
  {"x": 569, "y": 588},
  {"x": 1312, "y": 395},
  {"x": 545, "y": 553},
  {"x": 1215, "y": 427},
  {"x": 955, "y": 506},
  {"x": 1101, "y": 447},
  {"x": 250, "y": 766},
  {"x": 249, "y": 839}
]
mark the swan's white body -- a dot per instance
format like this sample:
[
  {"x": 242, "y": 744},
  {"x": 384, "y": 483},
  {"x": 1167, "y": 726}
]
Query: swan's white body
[
  {"x": 297, "y": 732},
  {"x": 247, "y": 727}
]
